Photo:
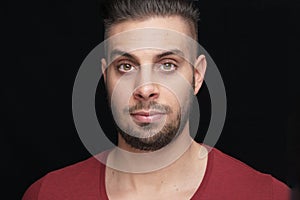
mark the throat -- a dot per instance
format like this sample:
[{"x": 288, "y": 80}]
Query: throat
[{"x": 183, "y": 176}]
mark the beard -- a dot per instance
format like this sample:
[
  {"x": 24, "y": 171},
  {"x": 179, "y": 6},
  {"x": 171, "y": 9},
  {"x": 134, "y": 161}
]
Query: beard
[
  {"x": 154, "y": 142},
  {"x": 155, "y": 139}
]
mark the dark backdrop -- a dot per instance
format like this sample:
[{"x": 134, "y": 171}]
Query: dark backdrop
[{"x": 46, "y": 41}]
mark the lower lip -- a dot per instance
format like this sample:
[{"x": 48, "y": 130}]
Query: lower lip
[{"x": 147, "y": 119}]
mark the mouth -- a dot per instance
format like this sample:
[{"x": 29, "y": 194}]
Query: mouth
[{"x": 150, "y": 116}]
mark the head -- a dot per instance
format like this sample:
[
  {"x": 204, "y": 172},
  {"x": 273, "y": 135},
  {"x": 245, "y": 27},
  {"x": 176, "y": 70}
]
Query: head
[
  {"x": 118, "y": 11},
  {"x": 150, "y": 89}
]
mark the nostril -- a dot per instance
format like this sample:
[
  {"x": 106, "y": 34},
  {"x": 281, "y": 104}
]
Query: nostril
[
  {"x": 152, "y": 95},
  {"x": 140, "y": 96},
  {"x": 146, "y": 92}
]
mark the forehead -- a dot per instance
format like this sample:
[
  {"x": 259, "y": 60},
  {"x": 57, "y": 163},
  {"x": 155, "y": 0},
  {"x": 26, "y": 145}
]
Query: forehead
[
  {"x": 162, "y": 33},
  {"x": 175, "y": 23}
]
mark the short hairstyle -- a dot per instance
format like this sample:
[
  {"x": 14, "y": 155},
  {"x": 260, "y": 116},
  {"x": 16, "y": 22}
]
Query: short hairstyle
[{"x": 117, "y": 11}]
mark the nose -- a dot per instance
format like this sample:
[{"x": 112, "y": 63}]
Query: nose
[{"x": 147, "y": 92}]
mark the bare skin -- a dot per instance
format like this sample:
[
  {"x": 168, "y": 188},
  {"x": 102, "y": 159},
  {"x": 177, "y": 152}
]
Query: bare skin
[{"x": 180, "y": 179}]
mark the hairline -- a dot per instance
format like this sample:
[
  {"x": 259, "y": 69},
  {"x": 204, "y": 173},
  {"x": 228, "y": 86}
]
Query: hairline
[{"x": 193, "y": 27}]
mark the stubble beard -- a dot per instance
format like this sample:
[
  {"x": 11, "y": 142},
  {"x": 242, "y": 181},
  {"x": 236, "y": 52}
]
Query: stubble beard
[{"x": 156, "y": 139}]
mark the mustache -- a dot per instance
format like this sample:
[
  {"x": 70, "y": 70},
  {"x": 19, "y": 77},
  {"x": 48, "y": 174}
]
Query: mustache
[{"x": 152, "y": 105}]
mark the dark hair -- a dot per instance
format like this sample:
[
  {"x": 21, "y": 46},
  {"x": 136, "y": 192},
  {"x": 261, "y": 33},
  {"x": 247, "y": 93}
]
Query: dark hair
[{"x": 117, "y": 11}]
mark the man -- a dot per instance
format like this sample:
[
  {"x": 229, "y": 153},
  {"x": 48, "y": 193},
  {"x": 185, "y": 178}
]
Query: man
[{"x": 152, "y": 71}]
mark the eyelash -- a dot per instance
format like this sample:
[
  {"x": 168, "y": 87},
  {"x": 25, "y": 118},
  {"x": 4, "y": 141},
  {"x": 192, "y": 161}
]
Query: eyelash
[
  {"x": 173, "y": 66},
  {"x": 120, "y": 66},
  {"x": 124, "y": 64}
]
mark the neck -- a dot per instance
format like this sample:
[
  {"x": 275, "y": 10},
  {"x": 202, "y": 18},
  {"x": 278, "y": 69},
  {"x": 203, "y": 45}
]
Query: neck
[
  {"x": 183, "y": 176},
  {"x": 127, "y": 159},
  {"x": 159, "y": 170},
  {"x": 168, "y": 173}
]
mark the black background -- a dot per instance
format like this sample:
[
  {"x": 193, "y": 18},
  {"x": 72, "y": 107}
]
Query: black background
[{"x": 251, "y": 41}]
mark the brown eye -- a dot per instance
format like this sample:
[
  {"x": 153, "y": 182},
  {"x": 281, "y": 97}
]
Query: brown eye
[{"x": 125, "y": 67}]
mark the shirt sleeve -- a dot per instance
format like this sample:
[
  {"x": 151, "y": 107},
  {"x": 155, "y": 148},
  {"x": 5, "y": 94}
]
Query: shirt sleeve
[
  {"x": 280, "y": 190},
  {"x": 32, "y": 193}
]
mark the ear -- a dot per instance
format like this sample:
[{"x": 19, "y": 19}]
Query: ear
[
  {"x": 199, "y": 71},
  {"x": 104, "y": 68}
]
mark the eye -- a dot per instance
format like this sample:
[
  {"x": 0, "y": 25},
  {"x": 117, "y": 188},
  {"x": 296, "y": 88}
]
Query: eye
[
  {"x": 167, "y": 67},
  {"x": 125, "y": 67}
]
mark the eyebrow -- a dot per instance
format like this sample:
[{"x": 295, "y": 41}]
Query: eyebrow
[
  {"x": 117, "y": 52},
  {"x": 171, "y": 52}
]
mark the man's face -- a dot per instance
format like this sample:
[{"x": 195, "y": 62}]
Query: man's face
[{"x": 150, "y": 89}]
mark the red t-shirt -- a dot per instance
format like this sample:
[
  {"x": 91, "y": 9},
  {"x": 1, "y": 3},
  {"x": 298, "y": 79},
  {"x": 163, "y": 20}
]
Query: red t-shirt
[{"x": 225, "y": 178}]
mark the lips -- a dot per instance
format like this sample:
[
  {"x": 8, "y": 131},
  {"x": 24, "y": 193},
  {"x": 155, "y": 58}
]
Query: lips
[{"x": 147, "y": 116}]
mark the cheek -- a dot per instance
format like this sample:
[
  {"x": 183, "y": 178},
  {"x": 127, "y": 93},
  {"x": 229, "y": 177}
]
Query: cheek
[
  {"x": 120, "y": 91},
  {"x": 189, "y": 75},
  {"x": 109, "y": 89},
  {"x": 169, "y": 98},
  {"x": 180, "y": 101},
  {"x": 111, "y": 81}
]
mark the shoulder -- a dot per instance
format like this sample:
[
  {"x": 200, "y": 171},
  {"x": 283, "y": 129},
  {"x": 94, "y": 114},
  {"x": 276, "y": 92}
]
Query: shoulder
[
  {"x": 233, "y": 175},
  {"x": 237, "y": 169},
  {"x": 65, "y": 180}
]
